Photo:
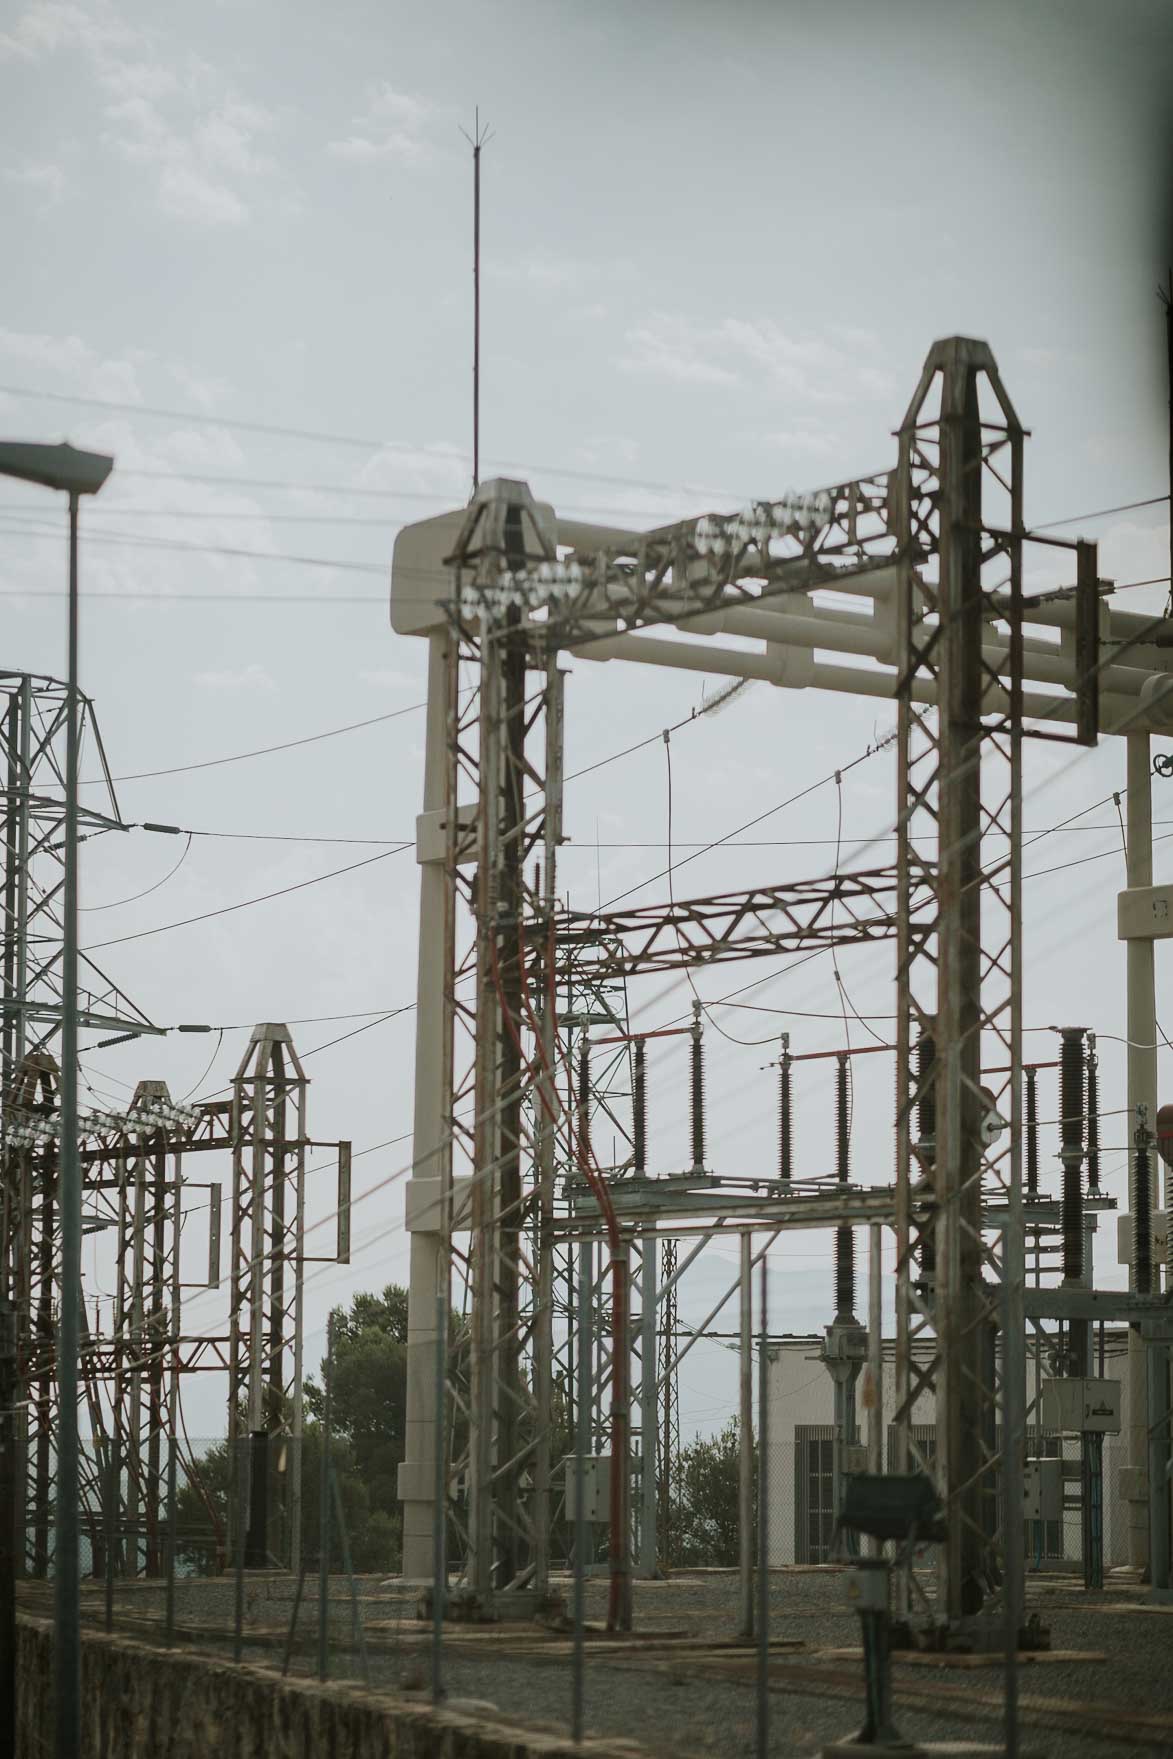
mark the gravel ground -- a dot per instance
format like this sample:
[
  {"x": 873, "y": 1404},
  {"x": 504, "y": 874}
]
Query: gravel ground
[{"x": 701, "y": 1701}]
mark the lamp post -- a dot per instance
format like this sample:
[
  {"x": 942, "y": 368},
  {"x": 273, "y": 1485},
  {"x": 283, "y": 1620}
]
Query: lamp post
[{"x": 73, "y": 473}]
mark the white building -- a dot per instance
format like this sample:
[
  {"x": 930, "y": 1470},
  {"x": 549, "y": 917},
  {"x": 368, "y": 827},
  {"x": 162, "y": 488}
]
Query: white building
[{"x": 801, "y": 1451}]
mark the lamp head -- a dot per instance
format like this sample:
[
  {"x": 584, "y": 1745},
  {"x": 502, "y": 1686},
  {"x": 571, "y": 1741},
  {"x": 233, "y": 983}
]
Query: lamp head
[{"x": 63, "y": 467}]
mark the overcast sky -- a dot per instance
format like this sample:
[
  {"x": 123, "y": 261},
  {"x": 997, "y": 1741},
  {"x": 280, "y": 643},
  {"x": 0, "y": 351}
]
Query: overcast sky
[{"x": 718, "y": 241}]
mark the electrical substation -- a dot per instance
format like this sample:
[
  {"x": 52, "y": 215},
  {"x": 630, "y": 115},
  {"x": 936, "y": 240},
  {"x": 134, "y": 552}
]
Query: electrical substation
[
  {"x": 569, "y": 1257},
  {"x": 1014, "y": 1411}
]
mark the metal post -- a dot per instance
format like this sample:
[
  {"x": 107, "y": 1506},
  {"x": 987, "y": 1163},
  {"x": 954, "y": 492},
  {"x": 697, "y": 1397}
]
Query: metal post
[
  {"x": 476, "y": 304},
  {"x": 1013, "y": 1450},
  {"x": 649, "y": 1404},
  {"x": 66, "y": 1558},
  {"x": 745, "y": 1535},
  {"x": 324, "y": 1515},
  {"x": 1093, "y": 1510},
  {"x": 8, "y": 1539},
  {"x": 547, "y": 1115},
  {"x": 439, "y": 1524},
  {"x": 357, "y": 1627},
  {"x": 1159, "y": 1443},
  {"x": 111, "y": 1501},
  {"x": 763, "y": 1682},
  {"x": 581, "y": 1447},
  {"x": 876, "y": 1359},
  {"x": 241, "y": 1467},
  {"x": 297, "y": 1424},
  {"x": 876, "y": 1347},
  {"x": 619, "y": 1549},
  {"x": 173, "y": 1400},
  {"x": 291, "y": 1633},
  {"x": 428, "y": 1265},
  {"x": 172, "y": 1534},
  {"x": 1142, "y": 1090}
]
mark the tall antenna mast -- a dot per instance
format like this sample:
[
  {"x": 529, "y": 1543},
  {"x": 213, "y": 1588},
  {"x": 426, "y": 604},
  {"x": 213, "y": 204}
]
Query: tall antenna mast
[
  {"x": 476, "y": 141},
  {"x": 1166, "y": 298}
]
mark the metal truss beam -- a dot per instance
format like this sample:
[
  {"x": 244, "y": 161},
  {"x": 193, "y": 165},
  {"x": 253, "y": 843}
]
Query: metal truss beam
[
  {"x": 935, "y": 545},
  {"x": 667, "y": 577},
  {"x": 852, "y": 909}
]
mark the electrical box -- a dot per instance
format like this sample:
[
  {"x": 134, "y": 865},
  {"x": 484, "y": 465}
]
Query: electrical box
[
  {"x": 868, "y": 1585},
  {"x": 1145, "y": 913},
  {"x": 596, "y": 1486},
  {"x": 855, "y": 1457},
  {"x": 1160, "y": 1235},
  {"x": 422, "y": 1210},
  {"x": 1132, "y": 1484},
  {"x": 1078, "y": 1407},
  {"x": 1042, "y": 1489}
]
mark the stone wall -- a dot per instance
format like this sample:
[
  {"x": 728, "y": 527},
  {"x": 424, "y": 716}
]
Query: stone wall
[{"x": 144, "y": 1703}]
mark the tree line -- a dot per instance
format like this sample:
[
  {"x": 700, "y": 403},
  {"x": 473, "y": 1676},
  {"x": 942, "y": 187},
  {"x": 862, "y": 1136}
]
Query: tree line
[{"x": 368, "y": 1407}]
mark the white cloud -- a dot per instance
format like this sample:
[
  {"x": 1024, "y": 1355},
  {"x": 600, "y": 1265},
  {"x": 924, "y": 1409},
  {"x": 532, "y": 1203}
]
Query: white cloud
[
  {"x": 48, "y": 26},
  {"x": 816, "y": 369},
  {"x": 667, "y": 347},
  {"x": 386, "y": 677},
  {"x": 172, "y": 114},
  {"x": 200, "y": 166},
  {"x": 546, "y": 272},
  {"x": 42, "y": 178},
  {"x": 802, "y": 436},
  {"x": 441, "y": 470},
  {"x": 200, "y": 388},
  {"x": 114, "y": 378},
  {"x": 186, "y": 193},
  {"x": 394, "y": 126},
  {"x": 250, "y": 677}
]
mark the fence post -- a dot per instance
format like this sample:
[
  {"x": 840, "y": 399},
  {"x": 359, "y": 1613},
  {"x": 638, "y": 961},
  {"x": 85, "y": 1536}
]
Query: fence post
[
  {"x": 581, "y": 1443},
  {"x": 763, "y": 1717},
  {"x": 745, "y": 1538},
  {"x": 241, "y": 1464},
  {"x": 357, "y": 1628},
  {"x": 172, "y": 1534},
  {"x": 324, "y": 1515}
]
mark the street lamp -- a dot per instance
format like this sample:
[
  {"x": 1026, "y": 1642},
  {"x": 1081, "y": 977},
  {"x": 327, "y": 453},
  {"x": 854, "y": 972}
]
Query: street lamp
[{"x": 73, "y": 473}]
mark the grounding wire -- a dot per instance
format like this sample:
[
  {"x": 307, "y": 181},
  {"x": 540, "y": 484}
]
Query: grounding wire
[{"x": 117, "y": 903}]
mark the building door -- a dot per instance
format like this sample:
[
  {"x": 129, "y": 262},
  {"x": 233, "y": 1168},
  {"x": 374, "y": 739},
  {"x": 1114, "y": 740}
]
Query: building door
[{"x": 814, "y": 1492}]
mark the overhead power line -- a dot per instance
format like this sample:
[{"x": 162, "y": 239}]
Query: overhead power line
[
  {"x": 246, "y": 903},
  {"x": 126, "y": 540},
  {"x": 33, "y": 510},
  {"x": 449, "y": 502},
  {"x": 211, "y": 763},
  {"x": 274, "y": 430},
  {"x": 1102, "y": 513}
]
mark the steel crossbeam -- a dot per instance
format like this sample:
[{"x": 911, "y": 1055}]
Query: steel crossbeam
[
  {"x": 835, "y": 911},
  {"x": 665, "y": 577}
]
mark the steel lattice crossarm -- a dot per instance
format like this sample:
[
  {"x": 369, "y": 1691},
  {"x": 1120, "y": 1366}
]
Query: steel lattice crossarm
[
  {"x": 839, "y": 910},
  {"x": 689, "y": 569},
  {"x": 32, "y": 852}
]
